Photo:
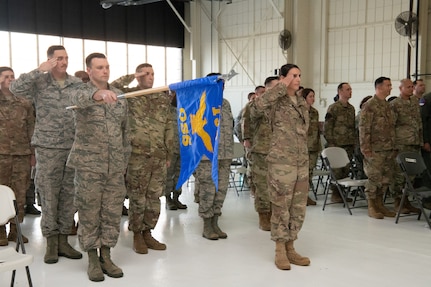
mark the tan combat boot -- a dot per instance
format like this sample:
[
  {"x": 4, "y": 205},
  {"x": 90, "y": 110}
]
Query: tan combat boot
[
  {"x": 372, "y": 209},
  {"x": 336, "y": 197},
  {"x": 151, "y": 242},
  {"x": 64, "y": 248},
  {"x": 294, "y": 257},
  {"x": 94, "y": 270},
  {"x": 216, "y": 228},
  {"x": 13, "y": 234},
  {"x": 311, "y": 202},
  {"x": 410, "y": 207},
  {"x": 281, "y": 260},
  {"x": 208, "y": 231},
  {"x": 397, "y": 203},
  {"x": 51, "y": 254},
  {"x": 265, "y": 221},
  {"x": 139, "y": 245},
  {"x": 3, "y": 238},
  {"x": 108, "y": 267},
  {"x": 382, "y": 208}
]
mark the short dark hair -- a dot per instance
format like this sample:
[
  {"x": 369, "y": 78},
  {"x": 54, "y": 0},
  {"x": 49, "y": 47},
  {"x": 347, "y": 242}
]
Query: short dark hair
[
  {"x": 92, "y": 56},
  {"x": 52, "y": 49},
  {"x": 416, "y": 81},
  {"x": 306, "y": 91},
  {"x": 144, "y": 65},
  {"x": 259, "y": 87},
  {"x": 380, "y": 80},
  {"x": 3, "y": 69},
  {"x": 340, "y": 86},
  {"x": 286, "y": 68},
  {"x": 250, "y": 95},
  {"x": 270, "y": 79}
]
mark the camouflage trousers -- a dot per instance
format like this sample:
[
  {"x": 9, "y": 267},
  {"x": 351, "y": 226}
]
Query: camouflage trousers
[
  {"x": 262, "y": 203},
  {"x": 15, "y": 173},
  {"x": 210, "y": 200},
  {"x": 249, "y": 172},
  {"x": 288, "y": 188},
  {"x": 99, "y": 198},
  {"x": 343, "y": 172},
  {"x": 30, "y": 196},
  {"x": 145, "y": 182},
  {"x": 173, "y": 173},
  {"x": 379, "y": 170},
  {"x": 312, "y": 160},
  {"x": 54, "y": 182},
  {"x": 398, "y": 180}
]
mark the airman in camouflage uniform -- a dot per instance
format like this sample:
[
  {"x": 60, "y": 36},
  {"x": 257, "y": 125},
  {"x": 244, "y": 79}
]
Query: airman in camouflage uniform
[
  {"x": 49, "y": 87},
  {"x": 287, "y": 163},
  {"x": 377, "y": 141},
  {"x": 246, "y": 139},
  {"x": 211, "y": 200},
  {"x": 339, "y": 131},
  {"x": 99, "y": 156},
  {"x": 151, "y": 134},
  {"x": 408, "y": 137},
  {"x": 16, "y": 130},
  {"x": 258, "y": 131},
  {"x": 313, "y": 136},
  {"x": 173, "y": 171}
]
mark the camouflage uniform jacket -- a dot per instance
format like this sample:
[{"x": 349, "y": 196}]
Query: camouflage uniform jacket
[
  {"x": 408, "y": 122},
  {"x": 289, "y": 122},
  {"x": 314, "y": 143},
  {"x": 102, "y": 133},
  {"x": 237, "y": 129},
  {"x": 225, "y": 144},
  {"x": 16, "y": 125},
  {"x": 339, "y": 126},
  {"x": 175, "y": 144},
  {"x": 151, "y": 125},
  {"x": 260, "y": 130},
  {"x": 246, "y": 126},
  {"x": 54, "y": 126},
  {"x": 376, "y": 126}
]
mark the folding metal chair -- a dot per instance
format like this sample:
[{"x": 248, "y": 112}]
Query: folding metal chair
[
  {"x": 336, "y": 157},
  {"x": 322, "y": 174},
  {"x": 413, "y": 165},
  {"x": 237, "y": 168},
  {"x": 10, "y": 258}
]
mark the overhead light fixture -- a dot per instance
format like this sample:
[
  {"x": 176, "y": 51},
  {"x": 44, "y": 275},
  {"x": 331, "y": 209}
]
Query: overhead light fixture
[{"x": 108, "y": 3}]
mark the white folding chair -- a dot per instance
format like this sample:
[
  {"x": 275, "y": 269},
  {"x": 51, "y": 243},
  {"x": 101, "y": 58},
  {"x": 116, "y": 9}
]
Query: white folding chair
[
  {"x": 336, "y": 157},
  {"x": 10, "y": 258},
  {"x": 237, "y": 168}
]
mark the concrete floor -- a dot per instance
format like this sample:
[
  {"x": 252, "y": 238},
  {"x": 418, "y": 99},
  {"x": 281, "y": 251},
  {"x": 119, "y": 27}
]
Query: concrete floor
[{"x": 344, "y": 250}]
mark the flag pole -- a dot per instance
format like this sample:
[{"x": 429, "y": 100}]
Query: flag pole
[
  {"x": 134, "y": 94},
  {"x": 225, "y": 77}
]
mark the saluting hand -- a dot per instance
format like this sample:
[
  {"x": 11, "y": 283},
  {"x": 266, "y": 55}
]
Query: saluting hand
[{"x": 48, "y": 65}]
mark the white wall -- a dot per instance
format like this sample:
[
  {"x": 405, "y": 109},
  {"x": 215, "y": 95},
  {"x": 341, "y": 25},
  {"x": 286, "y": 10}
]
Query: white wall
[
  {"x": 242, "y": 36},
  {"x": 333, "y": 41}
]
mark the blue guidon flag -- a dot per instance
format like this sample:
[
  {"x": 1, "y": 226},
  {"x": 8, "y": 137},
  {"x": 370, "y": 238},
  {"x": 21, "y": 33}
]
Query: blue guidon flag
[{"x": 199, "y": 109}]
